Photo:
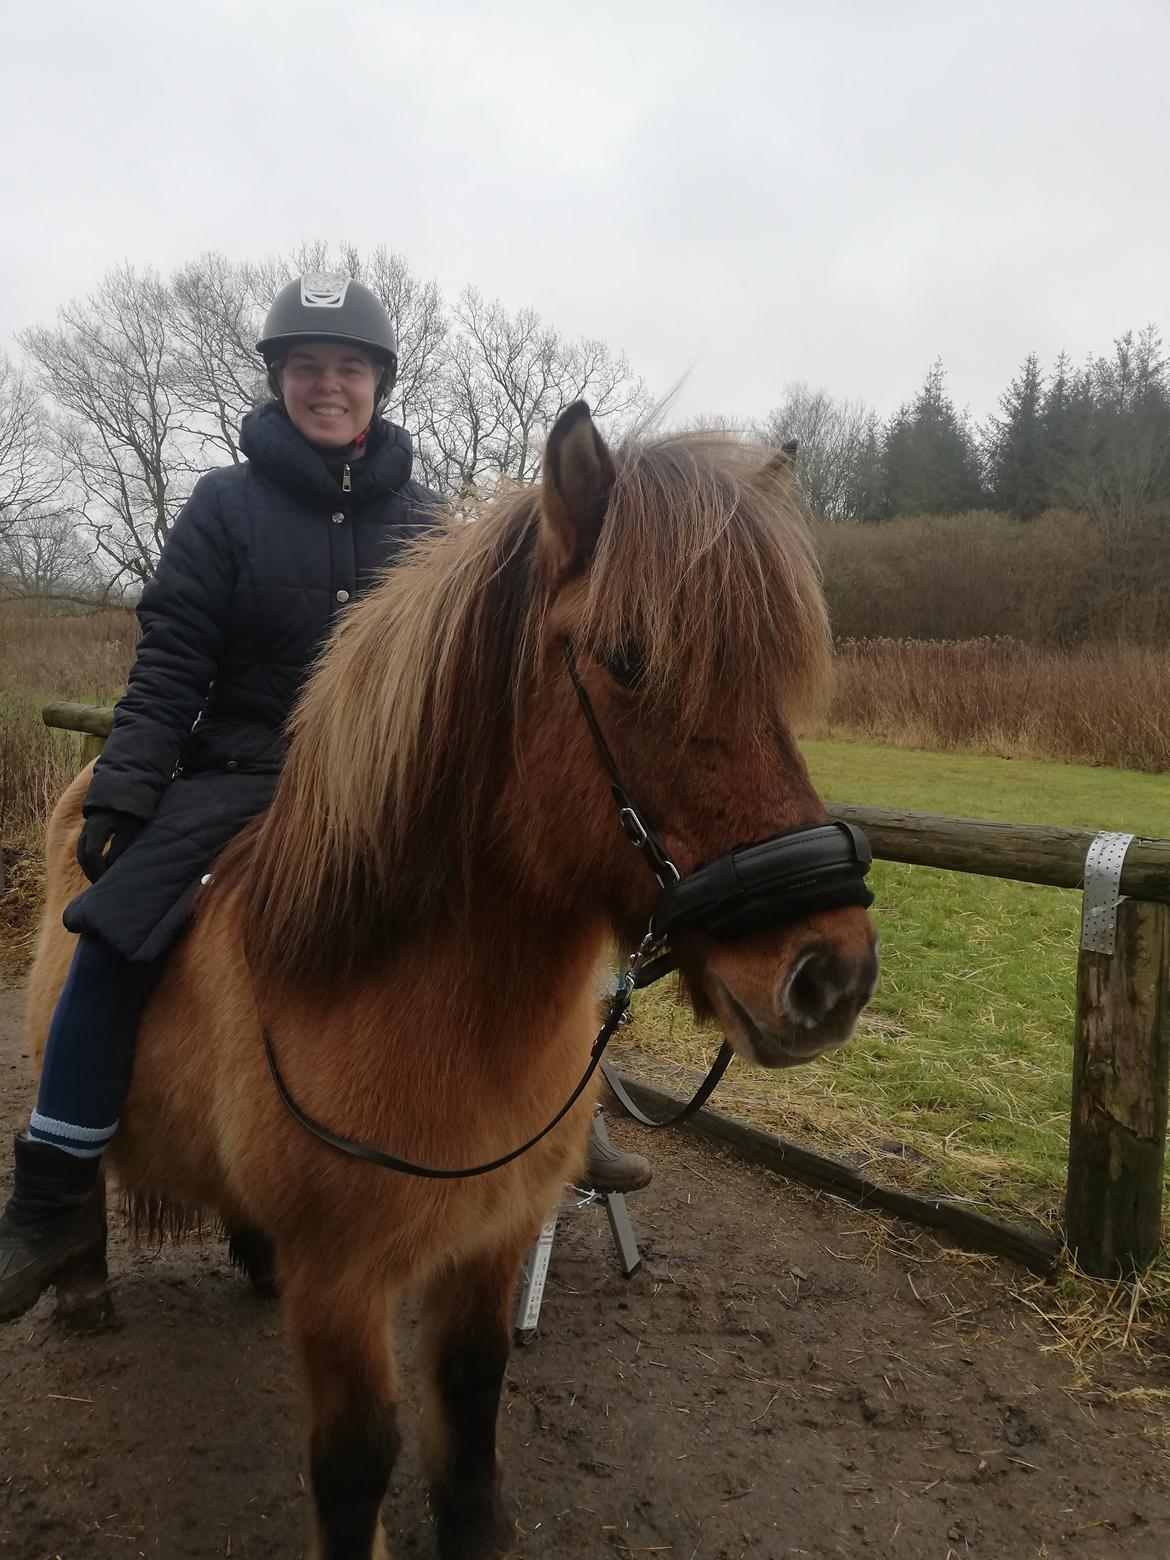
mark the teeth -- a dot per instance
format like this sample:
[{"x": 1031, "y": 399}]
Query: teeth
[{"x": 327, "y": 411}]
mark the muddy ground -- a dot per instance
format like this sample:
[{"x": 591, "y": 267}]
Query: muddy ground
[{"x": 785, "y": 1377}]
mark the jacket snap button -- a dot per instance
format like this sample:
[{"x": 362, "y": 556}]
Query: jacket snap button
[
  {"x": 231, "y": 765},
  {"x": 343, "y": 595},
  {"x": 338, "y": 518}
]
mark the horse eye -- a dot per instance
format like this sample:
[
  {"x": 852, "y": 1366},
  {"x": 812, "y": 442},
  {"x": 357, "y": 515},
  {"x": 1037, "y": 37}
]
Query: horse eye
[{"x": 625, "y": 665}]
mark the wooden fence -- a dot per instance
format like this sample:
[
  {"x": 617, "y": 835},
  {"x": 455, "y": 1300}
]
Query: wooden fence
[{"x": 1121, "y": 1042}]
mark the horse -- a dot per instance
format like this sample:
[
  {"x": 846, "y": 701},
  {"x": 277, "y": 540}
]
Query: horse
[{"x": 417, "y": 923}]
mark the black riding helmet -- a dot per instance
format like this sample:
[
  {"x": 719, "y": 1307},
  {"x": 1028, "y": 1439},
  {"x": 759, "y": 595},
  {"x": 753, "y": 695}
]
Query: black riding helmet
[{"x": 323, "y": 306}]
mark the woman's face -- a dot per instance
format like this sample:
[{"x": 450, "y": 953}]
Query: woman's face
[{"x": 328, "y": 391}]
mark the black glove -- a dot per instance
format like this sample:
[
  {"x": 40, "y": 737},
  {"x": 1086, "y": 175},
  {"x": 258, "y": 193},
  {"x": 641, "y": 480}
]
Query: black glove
[{"x": 104, "y": 827}]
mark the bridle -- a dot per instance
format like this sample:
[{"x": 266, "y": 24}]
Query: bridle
[{"x": 817, "y": 866}]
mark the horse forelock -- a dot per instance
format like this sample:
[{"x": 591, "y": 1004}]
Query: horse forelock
[
  {"x": 404, "y": 736},
  {"x": 705, "y": 569}
]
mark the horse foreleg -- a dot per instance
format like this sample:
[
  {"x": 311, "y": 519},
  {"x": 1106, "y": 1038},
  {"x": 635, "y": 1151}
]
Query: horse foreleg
[
  {"x": 341, "y": 1327},
  {"x": 251, "y": 1249},
  {"x": 467, "y": 1332}
]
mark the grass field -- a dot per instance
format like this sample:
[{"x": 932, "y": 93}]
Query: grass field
[{"x": 959, "y": 1077}]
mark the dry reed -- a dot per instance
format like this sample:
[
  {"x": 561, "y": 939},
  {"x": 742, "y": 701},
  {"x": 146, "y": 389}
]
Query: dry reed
[
  {"x": 1095, "y": 705},
  {"x": 43, "y": 656}
]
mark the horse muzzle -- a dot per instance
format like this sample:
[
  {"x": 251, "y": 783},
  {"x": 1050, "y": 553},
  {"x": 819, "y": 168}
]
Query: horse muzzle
[{"x": 812, "y": 1008}]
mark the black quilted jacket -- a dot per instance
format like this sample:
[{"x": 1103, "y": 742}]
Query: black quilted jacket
[{"x": 259, "y": 564}]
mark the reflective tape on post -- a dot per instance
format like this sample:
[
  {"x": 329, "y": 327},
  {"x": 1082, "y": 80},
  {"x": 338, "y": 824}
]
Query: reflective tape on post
[{"x": 1103, "y": 864}]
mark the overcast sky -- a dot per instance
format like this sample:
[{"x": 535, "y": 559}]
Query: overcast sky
[{"x": 749, "y": 193}]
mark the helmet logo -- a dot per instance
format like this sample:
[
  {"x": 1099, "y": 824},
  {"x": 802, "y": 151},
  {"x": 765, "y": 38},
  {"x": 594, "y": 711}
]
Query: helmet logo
[{"x": 323, "y": 289}]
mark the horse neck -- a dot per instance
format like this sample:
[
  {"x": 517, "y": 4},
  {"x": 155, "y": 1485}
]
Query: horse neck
[{"x": 512, "y": 957}]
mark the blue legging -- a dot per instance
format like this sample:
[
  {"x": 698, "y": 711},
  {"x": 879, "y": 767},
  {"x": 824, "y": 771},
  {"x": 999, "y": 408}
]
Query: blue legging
[{"x": 90, "y": 1050}]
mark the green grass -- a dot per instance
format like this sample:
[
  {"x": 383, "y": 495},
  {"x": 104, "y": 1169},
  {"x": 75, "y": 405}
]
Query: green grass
[
  {"x": 971, "y": 786},
  {"x": 959, "y": 1076}
]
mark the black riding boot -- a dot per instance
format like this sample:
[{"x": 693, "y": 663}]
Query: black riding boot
[{"x": 54, "y": 1220}]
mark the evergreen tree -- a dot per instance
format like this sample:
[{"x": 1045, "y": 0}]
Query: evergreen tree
[
  {"x": 865, "y": 489},
  {"x": 929, "y": 460},
  {"x": 1015, "y": 446},
  {"x": 1065, "y": 418},
  {"x": 1110, "y": 434},
  {"x": 1129, "y": 419},
  {"x": 1149, "y": 409}
]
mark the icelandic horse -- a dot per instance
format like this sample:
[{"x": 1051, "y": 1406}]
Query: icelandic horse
[{"x": 418, "y": 922}]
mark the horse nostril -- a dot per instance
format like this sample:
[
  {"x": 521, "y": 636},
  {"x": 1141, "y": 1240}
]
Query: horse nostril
[
  {"x": 817, "y": 982},
  {"x": 826, "y": 987}
]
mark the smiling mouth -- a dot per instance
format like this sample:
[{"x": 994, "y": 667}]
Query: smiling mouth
[{"x": 327, "y": 411}]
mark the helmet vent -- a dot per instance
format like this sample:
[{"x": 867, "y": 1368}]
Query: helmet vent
[{"x": 323, "y": 290}]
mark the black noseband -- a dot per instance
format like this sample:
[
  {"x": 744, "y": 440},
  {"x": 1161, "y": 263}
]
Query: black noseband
[{"x": 819, "y": 866}]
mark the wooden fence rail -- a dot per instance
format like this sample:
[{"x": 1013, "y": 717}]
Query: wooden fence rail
[{"x": 1121, "y": 1040}]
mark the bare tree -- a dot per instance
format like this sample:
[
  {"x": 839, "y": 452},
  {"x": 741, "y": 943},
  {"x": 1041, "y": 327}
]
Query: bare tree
[
  {"x": 30, "y": 475},
  {"x": 108, "y": 365},
  {"x": 465, "y": 426},
  {"x": 1113, "y": 479},
  {"x": 1119, "y": 461},
  {"x": 43, "y": 555},
  {"x": 213, "y": 319},
  {"x": 420, "y": 324},
  {"x": 506, "y": 379},
  {"x": 835, "y": 439}
]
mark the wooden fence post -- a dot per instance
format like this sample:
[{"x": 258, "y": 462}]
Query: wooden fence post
[
  {"x": 90, "y": 747},
  {"x": 1121, "y": 1066}
]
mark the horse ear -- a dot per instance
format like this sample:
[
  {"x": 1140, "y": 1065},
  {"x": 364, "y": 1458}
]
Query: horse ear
[
  {"x": 579, "y": 475},
  {"x": 780, "y": 468}
]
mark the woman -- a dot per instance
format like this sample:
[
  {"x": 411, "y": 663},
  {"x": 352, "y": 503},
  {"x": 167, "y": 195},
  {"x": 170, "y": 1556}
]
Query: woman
[{"x": 254, "y": 573}]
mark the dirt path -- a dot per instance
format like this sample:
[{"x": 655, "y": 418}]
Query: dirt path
[{"x": 784, "y": 1378}]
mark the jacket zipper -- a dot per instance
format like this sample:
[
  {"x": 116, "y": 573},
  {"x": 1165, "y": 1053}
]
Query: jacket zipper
[{"x": 345, "y": 479}]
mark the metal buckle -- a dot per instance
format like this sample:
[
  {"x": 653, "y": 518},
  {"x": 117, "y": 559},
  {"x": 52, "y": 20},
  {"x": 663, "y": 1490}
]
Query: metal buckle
[
  {"x": 639, "y": 837},
  {"x": 649, "y": 945},
  {"x": 633, "y": 828}
]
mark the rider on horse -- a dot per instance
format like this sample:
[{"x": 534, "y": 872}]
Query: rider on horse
[{"x": 264, "y": 557}]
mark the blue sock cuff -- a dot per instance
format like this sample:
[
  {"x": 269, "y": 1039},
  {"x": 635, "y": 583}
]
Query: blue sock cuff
[{"x": 82, "y": 1142}]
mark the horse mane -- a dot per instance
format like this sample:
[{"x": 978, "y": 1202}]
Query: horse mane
[{"x": 403, "y": 736}]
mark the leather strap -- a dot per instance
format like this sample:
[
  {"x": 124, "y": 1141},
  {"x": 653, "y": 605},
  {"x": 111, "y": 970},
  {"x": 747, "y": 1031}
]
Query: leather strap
[
  {"x": 633, "y": 819},
  {"x": 618, "y": 1010},
  {"x": 700, "y": 1097},
  {"x": 356, "y": 1149}
]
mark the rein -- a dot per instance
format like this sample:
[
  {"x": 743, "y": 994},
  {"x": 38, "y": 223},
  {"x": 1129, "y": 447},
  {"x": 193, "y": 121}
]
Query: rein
[
  {"x": 619, "y": 1010},
  {"x": 812, "y": 867}
]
